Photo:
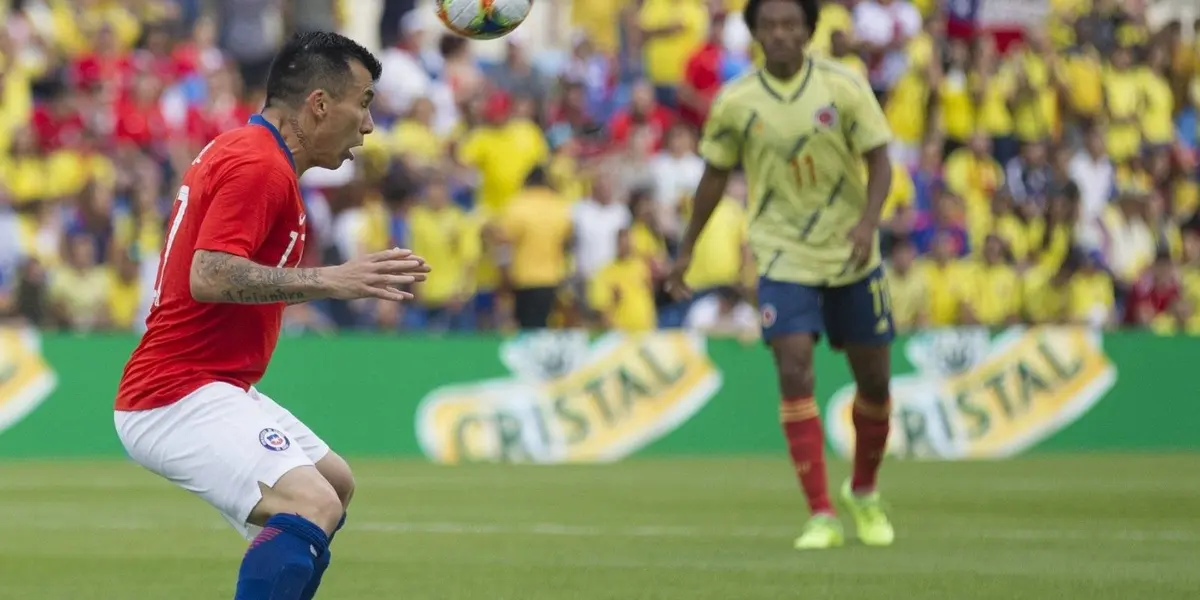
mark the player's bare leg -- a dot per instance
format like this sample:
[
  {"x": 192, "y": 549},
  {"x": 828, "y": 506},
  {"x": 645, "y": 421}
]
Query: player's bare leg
[
  {"x": 801, "y": 424},
  {"x": 872, "y": 367},
  {"x": 336, "y": 471}
]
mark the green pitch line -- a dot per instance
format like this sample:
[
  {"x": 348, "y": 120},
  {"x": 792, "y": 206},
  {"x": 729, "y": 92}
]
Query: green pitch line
[{"x": 1093, "y": 527}]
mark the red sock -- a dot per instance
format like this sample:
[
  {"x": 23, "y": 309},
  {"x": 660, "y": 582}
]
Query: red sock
[
  {"x": 806, "y": 444},
  {"x": 872, "y": 421}
]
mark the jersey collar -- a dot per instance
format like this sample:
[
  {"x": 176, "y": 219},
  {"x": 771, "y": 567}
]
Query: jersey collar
[
  {"x": 262, "y": 122},
  {"x": 791, "y": 90}
]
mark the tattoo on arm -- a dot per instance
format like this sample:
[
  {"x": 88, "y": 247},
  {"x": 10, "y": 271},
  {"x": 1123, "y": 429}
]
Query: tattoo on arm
[{"x": 238, "y": 280}]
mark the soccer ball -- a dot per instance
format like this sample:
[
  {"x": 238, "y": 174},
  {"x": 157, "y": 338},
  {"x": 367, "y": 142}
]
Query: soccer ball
[{"x": 483, "y": 19}]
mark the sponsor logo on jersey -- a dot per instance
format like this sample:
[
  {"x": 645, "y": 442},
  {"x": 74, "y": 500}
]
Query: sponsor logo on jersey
[
  {"x": 274, "y": 440},
  {"x": 26, "y": 380},
  {"x": 978, "y": 396},
  {"x": 571, "y": 399}
]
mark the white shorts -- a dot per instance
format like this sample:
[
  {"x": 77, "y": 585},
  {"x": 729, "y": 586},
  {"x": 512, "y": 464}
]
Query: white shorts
[{"x": 219, "y": 443}]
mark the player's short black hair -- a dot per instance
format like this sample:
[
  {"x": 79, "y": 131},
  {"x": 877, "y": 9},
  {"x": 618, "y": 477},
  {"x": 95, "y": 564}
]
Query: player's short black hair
[
  {"x": 811, "y": 8},
  {"x": 315, "y": 60}
]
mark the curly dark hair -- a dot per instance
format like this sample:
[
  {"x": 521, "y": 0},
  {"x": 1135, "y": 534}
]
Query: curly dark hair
[{"x": 811, "y": 8}]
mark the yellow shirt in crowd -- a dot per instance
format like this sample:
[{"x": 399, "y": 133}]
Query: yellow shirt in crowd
[
  {"x": 994, "y": 295},
  {"x": 665, "y": 57},
  {"x": 948, "y": 287},
  {"x": 504, "y": 157},
  {"x": 910, "y": 298},
  {"x": 446, "y": 238},
  {"x": 537, "y": 225},
  {"x": 622, "y": 291}
]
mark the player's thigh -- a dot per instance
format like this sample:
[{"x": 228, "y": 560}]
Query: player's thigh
[
  {"x": 858, "y": 319},
  {"x": 329, "y": 464},
  {"x": 217, "y": 443},
  {"x": 791, "y": 324}
]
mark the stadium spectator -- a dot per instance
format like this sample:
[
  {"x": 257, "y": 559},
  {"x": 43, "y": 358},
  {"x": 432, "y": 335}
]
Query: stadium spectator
[
  {"x": 536, "y": 228},
  {"x": 622, "y": 292},
  {"x": 101, "y": 108}
]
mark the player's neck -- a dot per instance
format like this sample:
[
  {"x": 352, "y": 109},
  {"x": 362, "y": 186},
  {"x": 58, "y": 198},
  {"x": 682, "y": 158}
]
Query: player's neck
[
  {"x": 289, "y": 129},
  {"x": 785, "y": 70}
]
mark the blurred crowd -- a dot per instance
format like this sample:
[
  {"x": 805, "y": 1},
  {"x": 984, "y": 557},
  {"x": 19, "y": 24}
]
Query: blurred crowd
[{"x": 1044, "y": 175}]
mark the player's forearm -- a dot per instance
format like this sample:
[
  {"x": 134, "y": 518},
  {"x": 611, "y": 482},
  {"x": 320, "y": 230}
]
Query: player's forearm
[
  {"x": 708, "y": 195},
  {"x": 224, "y": 278},
  {"x": 879, "y": 183}
]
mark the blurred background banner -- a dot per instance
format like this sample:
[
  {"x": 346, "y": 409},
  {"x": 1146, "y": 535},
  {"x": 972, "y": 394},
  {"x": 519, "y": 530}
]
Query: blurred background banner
[{"x": 569, "y": 397}]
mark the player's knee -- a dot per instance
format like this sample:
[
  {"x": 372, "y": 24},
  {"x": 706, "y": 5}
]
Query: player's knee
[
  {"x": 337, "y": 472},
  {"x": 321, "y": 505},
  {"x": 874, "y": 390},
  {"x": 796, "y": 376},
  {"x": 303, "y": 492}
]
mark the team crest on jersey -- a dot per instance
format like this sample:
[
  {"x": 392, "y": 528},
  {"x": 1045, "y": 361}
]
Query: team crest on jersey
[
  {"x": 826, "y": 117},
  {"x": 769, "y": 314},
  {"x": 274, "y": 440}
]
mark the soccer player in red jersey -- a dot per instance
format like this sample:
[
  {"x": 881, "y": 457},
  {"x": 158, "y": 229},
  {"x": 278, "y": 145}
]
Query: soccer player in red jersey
[{"x": 187, "y": 408}]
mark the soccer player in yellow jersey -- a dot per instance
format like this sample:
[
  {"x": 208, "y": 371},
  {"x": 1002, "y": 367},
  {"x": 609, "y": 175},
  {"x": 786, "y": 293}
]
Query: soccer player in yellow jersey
[{"x": 802, "y": 127}]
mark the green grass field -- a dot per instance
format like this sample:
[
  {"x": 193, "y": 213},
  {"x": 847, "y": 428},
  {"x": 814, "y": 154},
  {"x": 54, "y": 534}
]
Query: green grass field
[{"x": 1096, "y": 527}]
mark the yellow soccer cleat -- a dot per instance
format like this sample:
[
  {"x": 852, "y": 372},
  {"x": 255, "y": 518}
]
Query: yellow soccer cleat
[
  {"x": 871, "y": 523},
  {"x": 821, "y": 532}
]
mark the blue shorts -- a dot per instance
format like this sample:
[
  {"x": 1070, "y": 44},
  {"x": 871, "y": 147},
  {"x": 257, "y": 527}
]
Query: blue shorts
[{"x": 858, "y": 314}]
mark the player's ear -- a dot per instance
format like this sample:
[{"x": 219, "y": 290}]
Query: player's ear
[{"x": 319, "y": 101}]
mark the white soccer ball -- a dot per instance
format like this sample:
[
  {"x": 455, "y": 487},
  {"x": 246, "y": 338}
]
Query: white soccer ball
[{"x": 483, "y": 19}]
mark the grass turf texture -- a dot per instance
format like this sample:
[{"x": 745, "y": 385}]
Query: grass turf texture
[{"x": 1095, "y": 527}]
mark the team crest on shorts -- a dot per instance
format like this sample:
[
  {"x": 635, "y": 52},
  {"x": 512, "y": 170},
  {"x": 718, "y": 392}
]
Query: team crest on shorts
[
  {"x": 768, "y": 315},
  {"x": 274, "y": 440},
  {"x": 826, "y": 117}
]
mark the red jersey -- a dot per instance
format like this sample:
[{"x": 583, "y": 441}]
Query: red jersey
[{"x": 239, "y": 196}]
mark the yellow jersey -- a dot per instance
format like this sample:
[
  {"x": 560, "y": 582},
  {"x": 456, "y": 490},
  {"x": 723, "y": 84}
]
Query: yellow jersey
[
  {"x": 504, "y": 157},
  {"x": 1158, "y": 123},
  {"x": 537, "y": 225},
  {"x": 447, "y": 239},
  {"x": 909, "y": 294},
  {"x": 1090, "y": 298},
  {"x": 800, "y": 143},
  {"x": 665, "y": 57},
  {"x": 995, "y": 296},
  {"x": 949, "y": 287},
  {"x": 623, "y": 292}
]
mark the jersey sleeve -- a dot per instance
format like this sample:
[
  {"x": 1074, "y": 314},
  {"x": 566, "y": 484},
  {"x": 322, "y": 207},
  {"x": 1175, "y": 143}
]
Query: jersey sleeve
[
  {"x": 865, "y": 126},
  {"x": 245, "y": 201},
  {"x": 721, "y": 145}
]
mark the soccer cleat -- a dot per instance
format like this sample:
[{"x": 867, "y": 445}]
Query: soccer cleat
[
  {"x": 871, "y": 523},
  {"x": 821, "y": 532}
]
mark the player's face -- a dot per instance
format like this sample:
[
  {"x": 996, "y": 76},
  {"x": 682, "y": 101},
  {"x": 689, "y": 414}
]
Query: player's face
[
  {"x": 782, "y": 30},
  {"x": 346, "y": 120}
]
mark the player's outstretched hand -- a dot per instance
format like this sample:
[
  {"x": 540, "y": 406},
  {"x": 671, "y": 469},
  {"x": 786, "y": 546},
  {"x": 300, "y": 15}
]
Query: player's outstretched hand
[
  {"x": 674, "y": 284},
  {"x": 378, "y": 275}
]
